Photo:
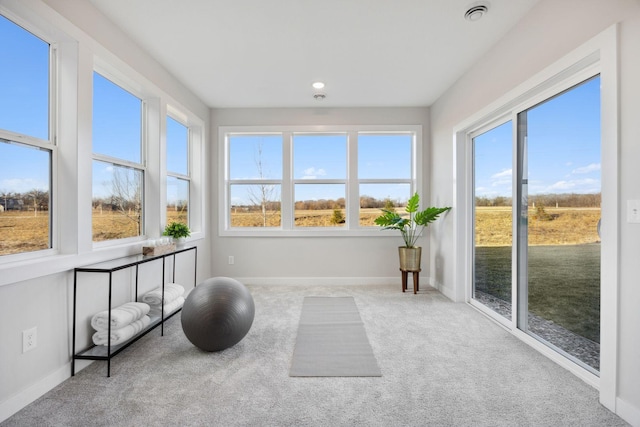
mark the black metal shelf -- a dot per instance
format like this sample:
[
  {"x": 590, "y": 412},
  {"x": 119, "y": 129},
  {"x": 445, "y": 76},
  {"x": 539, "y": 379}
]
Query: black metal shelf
[{"x": 102, "y": 352}]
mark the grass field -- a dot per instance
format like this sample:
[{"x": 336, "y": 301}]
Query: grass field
[
  {"x": 303, "y": 218},
  {"x": 564, "y": 226},
  {"x": 563, "y": 264},
  {"x": 563, "y": 285},
  {"x": 22, "y": 231}
]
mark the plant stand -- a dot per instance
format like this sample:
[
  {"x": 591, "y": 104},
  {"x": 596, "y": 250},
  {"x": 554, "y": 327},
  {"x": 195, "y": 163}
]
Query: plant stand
[{"x": 416, "y": 279}]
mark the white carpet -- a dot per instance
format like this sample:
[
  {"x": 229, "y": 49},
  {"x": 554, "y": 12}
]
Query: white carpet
[{"x": 444, "y": 364}]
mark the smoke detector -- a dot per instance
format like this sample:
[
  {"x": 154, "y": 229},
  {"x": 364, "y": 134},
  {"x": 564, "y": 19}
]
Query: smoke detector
[
  {"x": 475, "y": 13},
  {"x": 319, "y": 96}
]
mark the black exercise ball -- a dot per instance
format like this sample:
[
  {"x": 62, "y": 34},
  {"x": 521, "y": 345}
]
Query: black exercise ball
[{"x": 217, "y": 314}]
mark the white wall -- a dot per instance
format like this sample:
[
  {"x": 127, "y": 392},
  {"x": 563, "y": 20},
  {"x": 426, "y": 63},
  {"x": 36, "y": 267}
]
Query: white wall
[
  {"x": 300, "y": 260},
  {"x": 36, "y": 293},
  {"x": 551, "y": 30}
]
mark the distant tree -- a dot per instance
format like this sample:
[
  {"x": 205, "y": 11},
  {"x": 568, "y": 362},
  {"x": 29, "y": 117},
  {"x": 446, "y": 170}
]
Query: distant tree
[
  {"x": 483, "y": 201},
  {"x": 38, "y": 199},
  {"x": 261, "y": 195},
  {"x": 126, "y": 196},
  {"x": 367, "y": 202},
  {"x": 501, "y": 201}
]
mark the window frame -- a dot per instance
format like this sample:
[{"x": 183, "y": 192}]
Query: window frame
[
  {"x": 140, "y": 167},
  {"x": 296, "y": 182},
  {"x": 413, "y": 180},
  {"x": 196, "y": 167},
  {"x": 173, "y": 114},
  {"x": 50, "y": 144},
  {"x": 352, "y": 197}
]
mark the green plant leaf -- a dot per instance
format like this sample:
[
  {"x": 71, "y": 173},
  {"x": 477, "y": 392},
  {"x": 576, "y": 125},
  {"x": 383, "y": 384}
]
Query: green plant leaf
[
  {"x": 389, "y": 219},
  {"x": 429, "y": 215},
  {"x": 412, "y": 203}
]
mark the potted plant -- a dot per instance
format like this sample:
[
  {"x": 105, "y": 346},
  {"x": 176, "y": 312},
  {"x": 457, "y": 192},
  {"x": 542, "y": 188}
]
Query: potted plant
[
  {"x": 410, "y": 228},
  {"x": 178, "y": 230}
]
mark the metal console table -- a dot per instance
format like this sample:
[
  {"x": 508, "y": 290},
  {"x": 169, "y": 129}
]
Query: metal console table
[{"x": 101, "y": 352}]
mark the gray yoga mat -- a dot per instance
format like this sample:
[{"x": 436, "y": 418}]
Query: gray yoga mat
[{"x": 332, "y": 341}]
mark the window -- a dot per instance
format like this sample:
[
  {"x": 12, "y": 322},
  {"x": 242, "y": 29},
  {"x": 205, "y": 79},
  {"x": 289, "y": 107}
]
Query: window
[
  {"x": 255, "y": 180},
  {"x": 178, "y": 175},
  {"x": 319, "y": 179},
  {"x": 26, "y": 142},
  {"x": 303, "y": 180},
  {"x": 118, "y": 173},
  {"x": 385, "y": 172}
]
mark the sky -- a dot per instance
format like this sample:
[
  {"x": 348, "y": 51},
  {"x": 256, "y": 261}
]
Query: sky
[
  {"x": 24, "y": 96},
  {"x": 563, "y": 147}
]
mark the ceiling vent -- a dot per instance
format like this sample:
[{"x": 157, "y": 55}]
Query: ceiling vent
[{"x": 475, "y": 13}]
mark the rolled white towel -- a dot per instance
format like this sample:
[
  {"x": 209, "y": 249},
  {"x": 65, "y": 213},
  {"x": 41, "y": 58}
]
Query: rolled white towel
[
  {"x": 120, "y": 335},
  {"x": 168, "y": 308},
  {"x": 171, "y": 292},
  {"x": 120, "y": 316}
]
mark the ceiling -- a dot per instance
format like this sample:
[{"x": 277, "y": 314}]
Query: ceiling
[{"x": 267, "y": 53}]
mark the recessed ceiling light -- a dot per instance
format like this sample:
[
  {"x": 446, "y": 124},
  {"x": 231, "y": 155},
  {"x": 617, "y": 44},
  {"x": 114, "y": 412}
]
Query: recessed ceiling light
[
  {"x": 318, "y": 85},
  {"x": 475, "y": 13}
]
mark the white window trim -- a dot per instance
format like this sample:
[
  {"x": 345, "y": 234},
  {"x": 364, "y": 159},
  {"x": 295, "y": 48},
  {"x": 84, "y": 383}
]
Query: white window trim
[
  {"x": 64, "y": 97},
  {"x": 49, "y": 144},
  {"x": 195, "y": 167},
  {"x": 352, "y": 183},
  {"x": 146, "y": 113},
  {"x": 598, "y": 55},
  {"x": 181, "y": 119}
]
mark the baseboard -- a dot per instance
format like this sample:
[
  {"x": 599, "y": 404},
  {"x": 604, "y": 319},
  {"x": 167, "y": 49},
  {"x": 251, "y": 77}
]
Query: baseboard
[
  {"x": 25, "y": 397},
  {"x": 320, "y": 281},
  {"x": 628, "y": 412},
  {"x": 18, "y": 401}
]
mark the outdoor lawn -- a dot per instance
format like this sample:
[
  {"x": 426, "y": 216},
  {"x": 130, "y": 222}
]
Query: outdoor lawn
[{"x": 564, "y": 283}]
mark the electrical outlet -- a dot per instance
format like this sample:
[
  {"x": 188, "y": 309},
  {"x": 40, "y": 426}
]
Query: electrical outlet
[
  {"x": 29, "y": 339},
  {"x": 231, "y": 260},
  {"x": 633, "y": 211}
]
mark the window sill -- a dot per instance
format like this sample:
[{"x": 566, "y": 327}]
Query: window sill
[
  {"x": 18, "y": 271},
  {"x": 306, "y": 232}
]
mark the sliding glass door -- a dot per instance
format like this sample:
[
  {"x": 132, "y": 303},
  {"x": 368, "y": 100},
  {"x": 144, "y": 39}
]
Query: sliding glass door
[
  {"x": 551, "y": 269},
  {"x": 559, "y": 216}
]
